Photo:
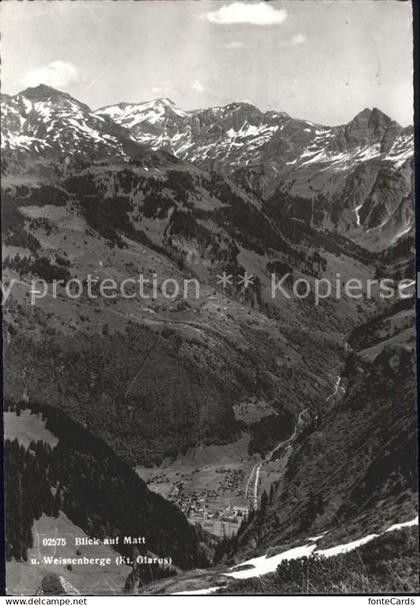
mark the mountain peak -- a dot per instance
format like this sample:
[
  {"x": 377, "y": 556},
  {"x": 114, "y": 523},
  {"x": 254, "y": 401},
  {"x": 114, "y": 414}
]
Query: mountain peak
[
  {"x": 164, "y": 101},
  {"x": 371, "y": 116},
  {"x": 43, "y": 92},
  {"x": 240, "y": 105},
  {"x": 364, "y": 113},
  {"x": 372, "y": 126}
]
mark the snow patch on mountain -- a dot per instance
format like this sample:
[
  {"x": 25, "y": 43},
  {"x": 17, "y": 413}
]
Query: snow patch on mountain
[{"x": 265, "y": 564}]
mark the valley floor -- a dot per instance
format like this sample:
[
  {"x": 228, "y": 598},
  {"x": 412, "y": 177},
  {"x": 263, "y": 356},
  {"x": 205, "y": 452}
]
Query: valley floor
[{"x": 208, "y": 484}]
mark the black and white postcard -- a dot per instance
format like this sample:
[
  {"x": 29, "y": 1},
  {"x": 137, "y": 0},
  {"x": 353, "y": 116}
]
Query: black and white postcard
[{"x": 209, "y": 289}]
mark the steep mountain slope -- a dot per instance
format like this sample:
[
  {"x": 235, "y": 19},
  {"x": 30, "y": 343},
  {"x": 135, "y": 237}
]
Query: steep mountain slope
[
  {"x": 355, "y": 177},
  {"x": 386, "y": 564},
  {"x": 214, "y": 349},
  {"x": 354, "y": 469}
]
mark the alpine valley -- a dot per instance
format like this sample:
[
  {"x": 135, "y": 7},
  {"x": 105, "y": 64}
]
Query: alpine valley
[{"x": 237, "y": 429}]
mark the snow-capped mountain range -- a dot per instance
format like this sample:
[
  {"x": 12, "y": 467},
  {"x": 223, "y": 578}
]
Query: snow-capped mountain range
[
  {"x": 44, "y": 120},
  {"x": 239, "y": 134},
  {"x": 355, "y": 177}
]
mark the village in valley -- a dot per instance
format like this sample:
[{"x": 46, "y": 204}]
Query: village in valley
[
  {"x": 211, "y": 511},
  {"x": 219, "y": 507}
]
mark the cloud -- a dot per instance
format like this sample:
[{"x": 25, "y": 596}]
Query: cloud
[
  {"x": 57, "y": 73},
  {"x": 298, "y": 39},
  {"x": 234, "y": 44},
  {"x": 260, "y": 13},
  {"x": 197, "y": 86}
]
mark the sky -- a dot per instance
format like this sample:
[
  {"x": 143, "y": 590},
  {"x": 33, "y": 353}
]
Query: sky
[{"x": 321, "y": 60}]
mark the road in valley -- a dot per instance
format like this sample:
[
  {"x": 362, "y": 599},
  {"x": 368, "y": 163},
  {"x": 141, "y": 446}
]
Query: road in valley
[{"x": 251, "y": 489}]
